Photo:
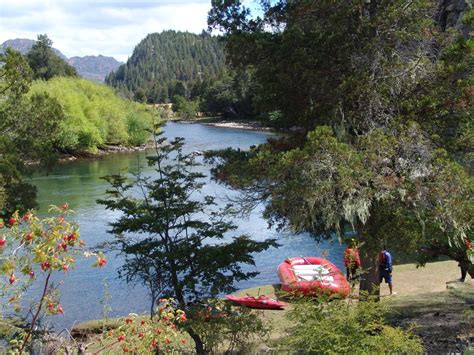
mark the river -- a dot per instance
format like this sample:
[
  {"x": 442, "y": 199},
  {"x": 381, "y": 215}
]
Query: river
[{"x": 79, "y": 183}]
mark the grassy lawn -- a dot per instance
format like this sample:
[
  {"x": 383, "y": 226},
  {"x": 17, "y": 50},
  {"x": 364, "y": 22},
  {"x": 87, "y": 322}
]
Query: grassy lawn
[{"x": 440, "y": 309}]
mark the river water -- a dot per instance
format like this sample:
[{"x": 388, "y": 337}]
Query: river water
[{"x": 79, "y": 183}]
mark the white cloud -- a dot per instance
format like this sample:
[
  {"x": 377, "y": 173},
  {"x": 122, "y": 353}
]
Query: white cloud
[{"x": 107, "y": 27}]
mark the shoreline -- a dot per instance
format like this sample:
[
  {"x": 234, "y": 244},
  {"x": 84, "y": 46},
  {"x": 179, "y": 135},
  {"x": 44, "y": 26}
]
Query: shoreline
[
  {"x": 208, "y": 121},
  {"x": 222, "y": 123},
  {"x": 431, "y": 297},
  {"x": 105, "y": 150}
]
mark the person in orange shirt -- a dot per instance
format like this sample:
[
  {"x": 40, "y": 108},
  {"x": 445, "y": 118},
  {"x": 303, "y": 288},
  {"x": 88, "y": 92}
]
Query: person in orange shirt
[{"x": 352, "y": 261}]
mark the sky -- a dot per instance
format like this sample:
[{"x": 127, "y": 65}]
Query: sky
[{"x": 92, "y": 27}]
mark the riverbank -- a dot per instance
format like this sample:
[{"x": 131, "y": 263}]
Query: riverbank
[
  {"x": 223, "y": 123},
  {"x": 208, "y": 121},
  {"x": 105, "y": 150},
  {"x": 429, "y": 299}
]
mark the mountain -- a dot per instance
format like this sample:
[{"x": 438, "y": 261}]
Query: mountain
[
  {"x": 90, "y": 67},
  {"x": 94, "y": 67},
  {"x": 166, "y": 64},
  {"x": 23, "y": 45}
]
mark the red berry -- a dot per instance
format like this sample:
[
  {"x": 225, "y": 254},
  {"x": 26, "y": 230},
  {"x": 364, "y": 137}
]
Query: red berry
[
  {"x": 121, "y": 338},
  {"x": 31, "y": 273},
  {"x": 468, "y": 244},
  {"x": 26, "y": 217},
  {"x": 142, "y": 322},
  {"x": 128, "y": 321},
  {"x": 50, "y": 305},
  {"x": 65, "y": 267},
  {"x": 167, "y": 341},
  {"x": 141, "y": 335},
  {"x": 12, "y": 221},
  {"x": 2, "y": 241},
  {"x": 45, "y": 265},
  {"x": 60, "y": 310},
  {"x": 12, "y": 279},
  {"x": 183, "y": 318},
  {"x": 29, "y": 236},
  {"x": 102, "y": 262},
  {"x": 65, "y": 206}
]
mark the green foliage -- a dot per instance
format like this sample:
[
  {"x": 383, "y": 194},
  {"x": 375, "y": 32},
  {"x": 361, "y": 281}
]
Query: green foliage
[
  {"x": 395, "y": 109},
  {"x": 339, "y": 327},
  {"x": 288, "y": 47},
  {"x": 29, "y": 130},
  {"x": 174, "y": 240},
  {"x": 224, "y": 328},
  {"x": 231, "y": 94},
  {"x": 45, "y": 63},
  {"x": 95, "y": 115},
  {"x": 185, "y": 108},
  {"x": 163, "y": 64}
]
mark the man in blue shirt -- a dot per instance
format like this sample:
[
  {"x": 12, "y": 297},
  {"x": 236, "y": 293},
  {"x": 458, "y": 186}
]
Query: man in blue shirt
[{"x": 385, "y": 268}]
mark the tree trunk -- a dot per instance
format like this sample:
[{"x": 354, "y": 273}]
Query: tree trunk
[
  {"x": 199, "y": 346},
  {"x": 369, "y": 282}
]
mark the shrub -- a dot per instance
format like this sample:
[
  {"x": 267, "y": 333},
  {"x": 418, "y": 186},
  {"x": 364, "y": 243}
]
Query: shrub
[
  {"x": 33, "y": 251},
  {"x": 224, "y": 328},
  {"x": 95, "y": 115},
  {"x": 342, "y": 327}
]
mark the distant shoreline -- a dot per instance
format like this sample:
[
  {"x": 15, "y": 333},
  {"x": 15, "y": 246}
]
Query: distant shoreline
[
  {"x": 235, "y": 124},
  {"x": 209, "y": 121}
]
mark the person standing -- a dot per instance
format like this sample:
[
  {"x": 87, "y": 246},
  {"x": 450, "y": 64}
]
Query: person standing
[
  {"x": 352, "y": 260},
  {"x": 385, "y": 268}
]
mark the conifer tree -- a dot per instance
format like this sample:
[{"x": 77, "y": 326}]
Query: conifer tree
[{"x": 174, "y": 239}]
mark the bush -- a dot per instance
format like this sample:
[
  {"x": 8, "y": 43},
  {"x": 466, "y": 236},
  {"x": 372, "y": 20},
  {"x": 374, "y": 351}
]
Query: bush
[
  {"x": 185, "y": 108},
  {"x": 342, "y": 327},
  {"x": 95, "y": 115},
  {"x": 224, "y": 328}
]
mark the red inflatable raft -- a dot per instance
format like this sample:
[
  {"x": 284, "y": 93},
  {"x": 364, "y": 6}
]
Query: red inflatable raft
[
  {"x": 262, "y": 302},
  {"x": 312, "y": 276}
]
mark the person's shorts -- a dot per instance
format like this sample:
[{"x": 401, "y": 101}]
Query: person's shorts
[{"x": 385, "y": 275}]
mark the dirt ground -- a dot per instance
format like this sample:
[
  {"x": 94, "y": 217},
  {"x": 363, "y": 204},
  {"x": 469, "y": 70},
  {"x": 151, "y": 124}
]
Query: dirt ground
[
  {"x": 430, "y": 299},
  {"x": 439, "y": 306}
]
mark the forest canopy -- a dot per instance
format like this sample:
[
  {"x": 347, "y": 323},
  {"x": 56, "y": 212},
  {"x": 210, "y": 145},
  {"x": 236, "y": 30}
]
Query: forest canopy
[{"x": 167, "y": 64}]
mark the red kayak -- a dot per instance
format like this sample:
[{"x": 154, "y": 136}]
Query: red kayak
[
  {"x": 312, "y": 276},
  {"x": 262, "y": 302}
]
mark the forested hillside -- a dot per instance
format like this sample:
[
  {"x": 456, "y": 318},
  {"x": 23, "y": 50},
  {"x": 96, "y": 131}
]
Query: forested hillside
[
  {"x": 94, "y": 114},
  {"x": 165, "y": 64}
]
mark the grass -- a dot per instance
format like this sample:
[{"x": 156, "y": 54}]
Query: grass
[{"x": 440, "y": 310}]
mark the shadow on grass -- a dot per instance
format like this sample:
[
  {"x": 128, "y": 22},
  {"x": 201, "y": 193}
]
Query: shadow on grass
[{"x": 444, "y": 320}]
